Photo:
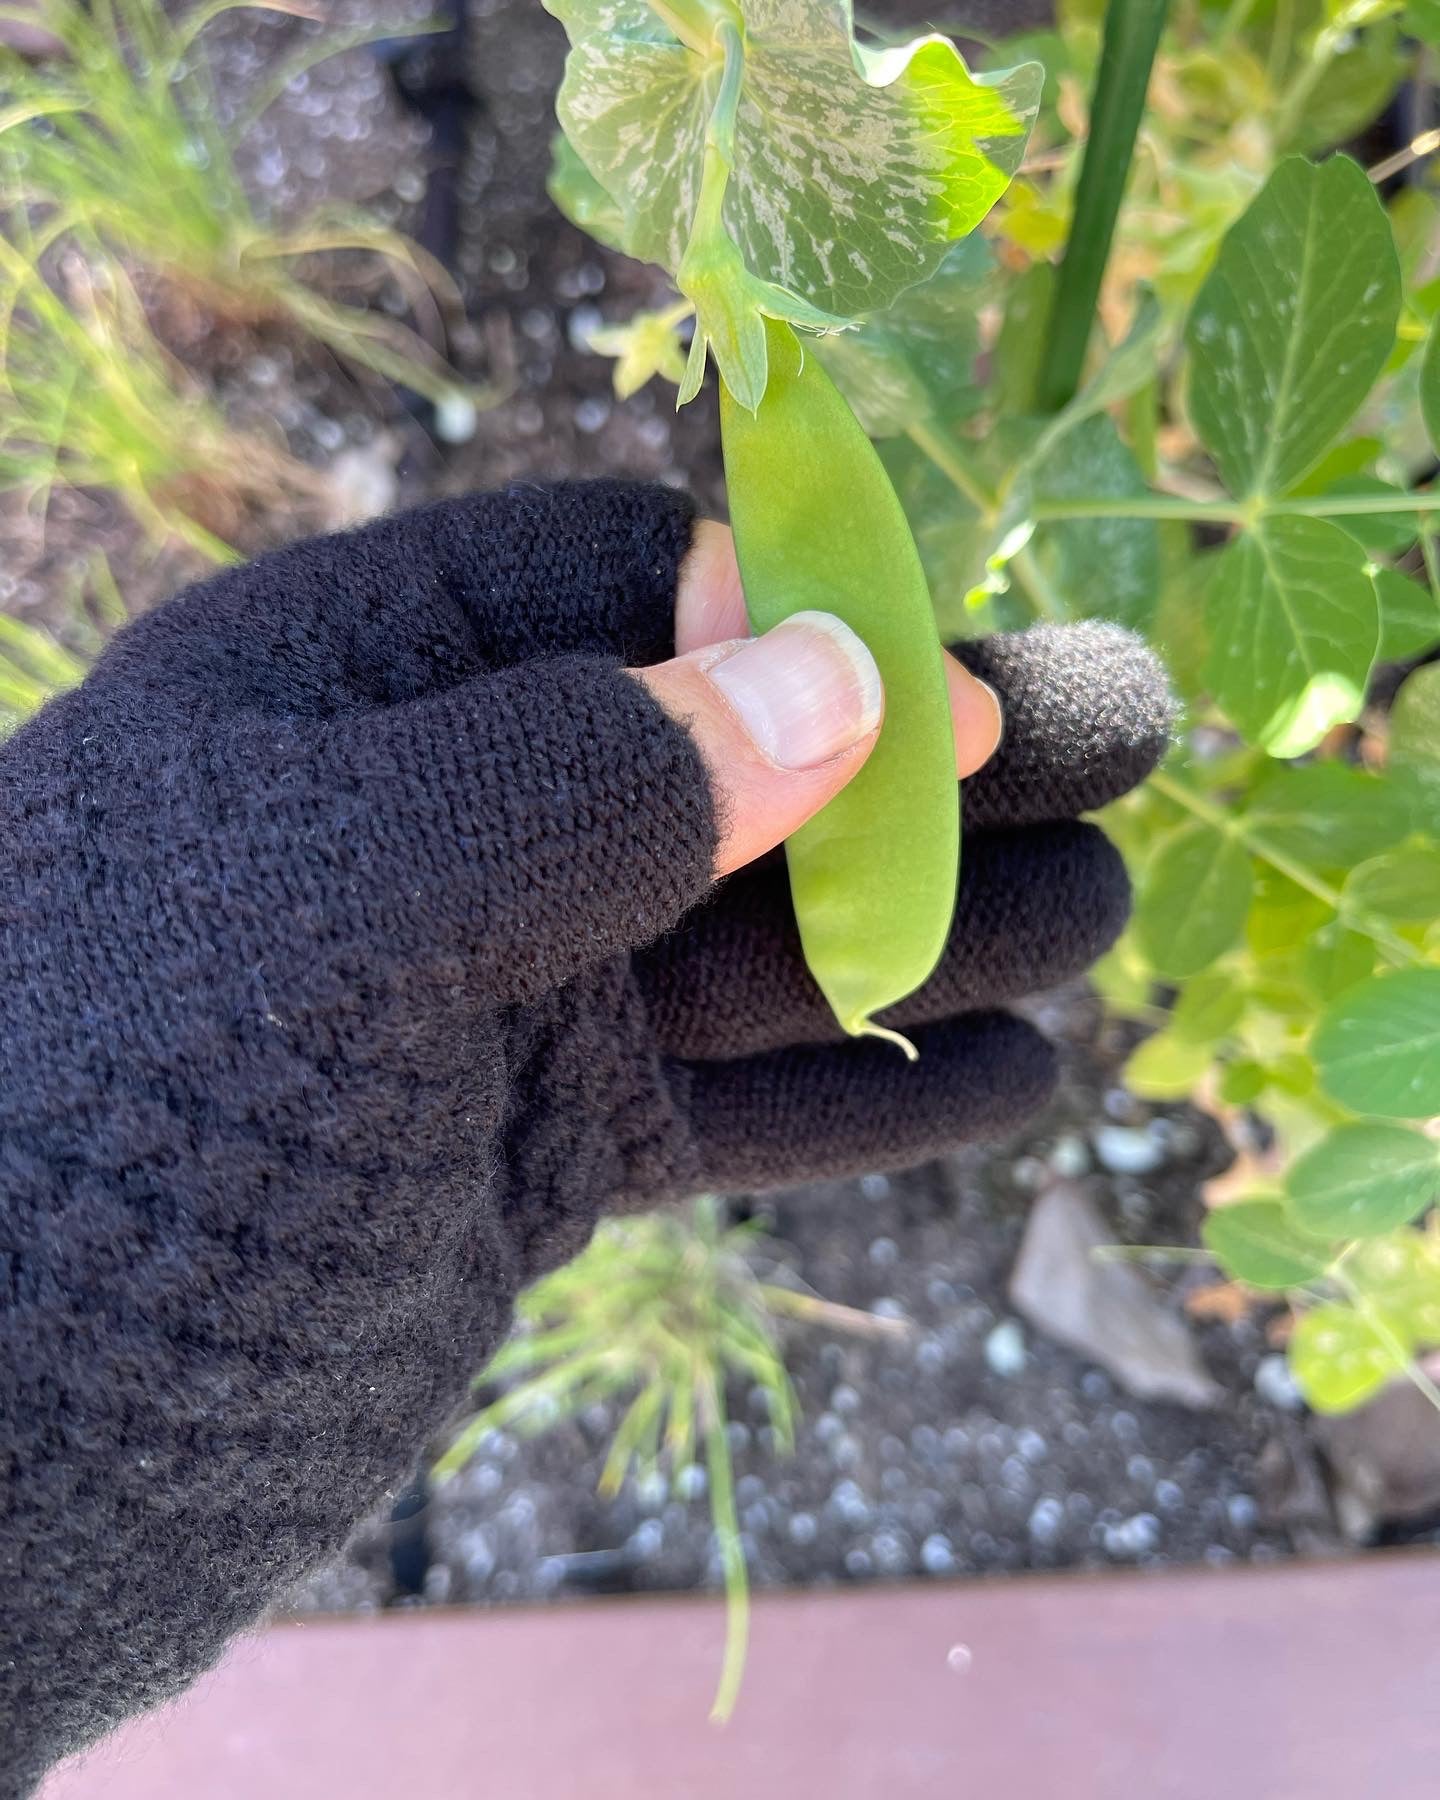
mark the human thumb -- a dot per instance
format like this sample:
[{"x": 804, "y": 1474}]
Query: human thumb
[{"x": 782, "y": 721}]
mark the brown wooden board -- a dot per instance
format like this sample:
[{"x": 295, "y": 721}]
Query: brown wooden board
[{"x": 1308, "y": 1682}]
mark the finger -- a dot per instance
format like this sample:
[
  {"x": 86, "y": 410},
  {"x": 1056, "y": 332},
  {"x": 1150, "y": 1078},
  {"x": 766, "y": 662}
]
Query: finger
[
  {"x": 418, "y": 602},
  {"x": 709, "y": 601},
  {"x": 710, "y": 609},
  {"x": 1088, "y": 715},
  {"x": 782, "y": 721},
  {"x": 516, "y": 829},
  {"x": 1035, "y": 908},
  {"x": 809, "y": 1114}
]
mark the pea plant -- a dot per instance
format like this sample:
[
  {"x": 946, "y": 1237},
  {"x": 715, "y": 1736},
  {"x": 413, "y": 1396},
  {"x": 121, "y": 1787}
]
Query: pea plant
[{"x": 1169, "y": 361}]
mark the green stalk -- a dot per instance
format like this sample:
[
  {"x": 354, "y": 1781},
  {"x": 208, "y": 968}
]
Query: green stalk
[
  {"x": 1132, "y": 35},
  {"x": 1397, "y": 948},
  {"x": 732, "y": 1554}
]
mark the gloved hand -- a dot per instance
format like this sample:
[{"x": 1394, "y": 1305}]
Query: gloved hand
[{"x": 359, "y": 947}]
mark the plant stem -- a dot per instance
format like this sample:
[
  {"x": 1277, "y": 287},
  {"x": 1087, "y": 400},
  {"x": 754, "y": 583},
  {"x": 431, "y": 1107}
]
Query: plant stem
[
  {"x": 1144, "y": 506},
  {"x": 1045, "y": 602},
  {"x": 732, "y": 1556},
  {"x": 1236, "y": 512},
  {"x": 1237, "y": 16},
  {"x": 946, "y": 455},
  {"x": 1432, "y": 567},
  {"x": 1132, "y": 35},
  {"x": 1394, "y": 946},
  {"x": 692, "y": 21}
]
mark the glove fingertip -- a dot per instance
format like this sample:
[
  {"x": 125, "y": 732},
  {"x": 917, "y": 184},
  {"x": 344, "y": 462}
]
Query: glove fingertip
[{"x": 1088, "y": 715}]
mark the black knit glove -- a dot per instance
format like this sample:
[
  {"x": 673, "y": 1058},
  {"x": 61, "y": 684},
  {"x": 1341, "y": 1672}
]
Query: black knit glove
[{"x": 338, "y": 1004}]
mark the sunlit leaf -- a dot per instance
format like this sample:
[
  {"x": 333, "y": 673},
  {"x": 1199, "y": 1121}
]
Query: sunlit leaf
[
  {"x": 1294, "y": 625},
  {"x": 1399, "y": 1276},
  {"x": 1166, "y": 1067},
  {"x": 1339, "y": 1360},
  {"x": 1293, "y": 324},
  {"x": 848, "y": 171}
]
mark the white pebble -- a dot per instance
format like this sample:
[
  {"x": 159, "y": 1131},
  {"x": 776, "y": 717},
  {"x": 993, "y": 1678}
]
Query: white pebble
[
  {"x": 937, "y": 1557},
  {"x": 1276, "y": 1385},
  {"x": 1133, "y": 1536},
  {"x": 1124, "y": 1150},
  {"x": 1005, "y": 1348},
  {"x": 1047, "y": 1516}
]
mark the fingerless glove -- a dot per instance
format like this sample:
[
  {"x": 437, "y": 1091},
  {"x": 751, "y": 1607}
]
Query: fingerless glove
[{"x": 359, "y": 947}]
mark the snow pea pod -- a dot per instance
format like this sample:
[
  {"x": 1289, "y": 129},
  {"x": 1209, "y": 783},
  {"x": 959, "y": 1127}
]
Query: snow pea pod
[{"x": 817, "y": 524}]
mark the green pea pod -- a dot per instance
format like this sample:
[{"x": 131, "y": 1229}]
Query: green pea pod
[{"x": 817, "y": 524}]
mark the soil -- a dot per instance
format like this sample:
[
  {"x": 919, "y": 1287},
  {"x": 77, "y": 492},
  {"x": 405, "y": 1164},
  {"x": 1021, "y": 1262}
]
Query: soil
[{"x": 972, "y": 1444}]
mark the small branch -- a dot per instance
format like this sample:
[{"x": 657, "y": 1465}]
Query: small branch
[
  {"x": 1257, "y": 844},
  {"x": 947, "y": 456},
  {"x": 1237, "y": 512}
]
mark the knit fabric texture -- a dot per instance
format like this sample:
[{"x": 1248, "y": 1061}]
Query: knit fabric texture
[{"x": 359, "y": 948}]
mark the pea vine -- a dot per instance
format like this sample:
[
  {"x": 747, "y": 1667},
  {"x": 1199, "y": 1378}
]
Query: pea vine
[{"x": 1214, "y": 421}]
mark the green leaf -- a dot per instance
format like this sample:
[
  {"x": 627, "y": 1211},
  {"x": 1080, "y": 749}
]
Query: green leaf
[
  {"x": 1378, "y": 1046},
  {"x": 1293, "y": 324},
  {"x": 1400, "y": 1276},
  {"x": 1099, "y": 567},
  {"x": 1193, "y": 903},
  {"x": 1178, "y": 630},
  {"x": 916, "y": 360},
  {"x": 1354, "y": 86},
  {"x": 852, "y": 169},
  {"x": 1336, "y": 958},
  {"x": 1338, "y": 1360},
  {"x": 1021, "y": 343},
  {"x": 1242, "y": 1082},
  {"x": 1209, "y": 1007},
  {"x": 1430, "y": 384},
  {"x": 1422, "y": 20},
  {"x": 1415, "y": 726},
  {"x": 1363, "y": 1179},
  {"x": 1166, "y": 1066},
  {"x": 1283, "y": 914},
  {"x": 1382, "y": 533},
  {"x": 1328, "y": 815},
  {"x": 1402, "y": 884},
  {"x": 1123, "y": 372},
  {"x": 1293, "y": 623},
  {"x": 580, "y": 196},
  {"x": 1258, "y": 1243},
  {"x": 951, "y": 535},
  {"x": 1409, "y": 616}
]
